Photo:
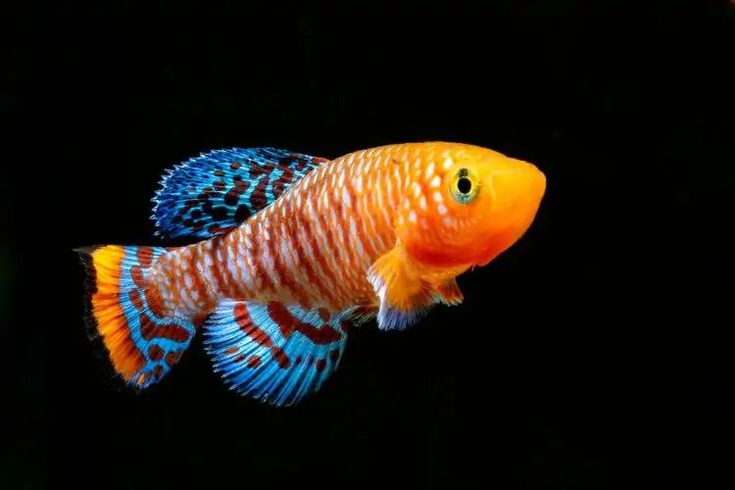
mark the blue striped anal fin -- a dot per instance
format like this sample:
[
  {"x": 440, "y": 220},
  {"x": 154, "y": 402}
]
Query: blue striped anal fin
[
  {"x": 216, "y": 191},
  {"x": 274, "y": 353}
]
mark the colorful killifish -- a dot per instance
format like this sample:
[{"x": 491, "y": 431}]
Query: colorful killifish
[{"x": 293, "y": 250}]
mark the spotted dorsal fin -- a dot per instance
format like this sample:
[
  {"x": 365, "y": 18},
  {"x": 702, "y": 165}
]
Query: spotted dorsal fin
[{"x": 216, "y": 191}]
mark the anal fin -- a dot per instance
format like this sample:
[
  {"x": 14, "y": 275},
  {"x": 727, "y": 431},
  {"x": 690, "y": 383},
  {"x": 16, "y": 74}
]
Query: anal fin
[{"x": 272, "y": 352}]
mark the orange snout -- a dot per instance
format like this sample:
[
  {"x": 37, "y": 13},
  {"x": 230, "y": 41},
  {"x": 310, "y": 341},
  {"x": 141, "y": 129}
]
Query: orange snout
[{"x": 516, "y": 190}]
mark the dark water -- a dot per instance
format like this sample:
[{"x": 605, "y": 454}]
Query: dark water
[{"x": 591, "y": 355}]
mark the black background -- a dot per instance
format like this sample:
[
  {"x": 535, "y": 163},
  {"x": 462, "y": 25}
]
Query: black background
[{"x": 593, "y": 354}]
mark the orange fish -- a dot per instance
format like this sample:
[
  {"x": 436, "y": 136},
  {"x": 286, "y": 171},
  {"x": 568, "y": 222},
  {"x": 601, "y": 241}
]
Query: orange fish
[{"x": 294, "y": 249}]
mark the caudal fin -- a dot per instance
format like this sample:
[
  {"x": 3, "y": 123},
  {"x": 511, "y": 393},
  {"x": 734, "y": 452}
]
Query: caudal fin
[{"x": 124, "y": 311}]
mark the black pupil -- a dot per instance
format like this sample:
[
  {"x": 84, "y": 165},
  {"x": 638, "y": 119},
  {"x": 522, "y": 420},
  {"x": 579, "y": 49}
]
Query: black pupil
[{"x": 464, "y": 185}]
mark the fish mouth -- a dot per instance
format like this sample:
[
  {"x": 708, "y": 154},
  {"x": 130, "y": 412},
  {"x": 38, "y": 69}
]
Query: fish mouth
[
  {"x": 516, "y": 192},
  {"x": 517, "y": 189}
]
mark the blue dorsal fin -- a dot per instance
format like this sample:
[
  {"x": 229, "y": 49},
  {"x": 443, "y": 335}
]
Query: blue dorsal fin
[
  {"x": 216, "y": 191},
  {"x": 274, "y": 353}
]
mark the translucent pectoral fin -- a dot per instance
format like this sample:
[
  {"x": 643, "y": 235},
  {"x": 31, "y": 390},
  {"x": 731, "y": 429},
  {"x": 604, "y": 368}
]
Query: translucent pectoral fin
[
  {"x": 449, "y": 292},
  {"x": 404, "y": 295}
]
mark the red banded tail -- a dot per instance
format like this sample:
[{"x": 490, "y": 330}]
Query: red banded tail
[{"x": 125, "y": 311}]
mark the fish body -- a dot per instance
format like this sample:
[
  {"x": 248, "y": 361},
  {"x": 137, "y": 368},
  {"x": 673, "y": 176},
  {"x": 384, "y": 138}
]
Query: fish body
[{"x": 294, "y": 249}]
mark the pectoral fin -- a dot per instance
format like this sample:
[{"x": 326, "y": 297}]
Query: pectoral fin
[
  {"x": 404, "y": 295},
  {"x": 449, "y": 293}
]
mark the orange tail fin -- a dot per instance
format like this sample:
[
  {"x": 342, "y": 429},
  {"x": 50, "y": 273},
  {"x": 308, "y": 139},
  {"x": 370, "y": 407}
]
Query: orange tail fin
[{"x": 124, "y": 312}]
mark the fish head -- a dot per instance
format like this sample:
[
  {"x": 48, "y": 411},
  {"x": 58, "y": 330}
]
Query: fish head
[{"x": 474, "y": 204}]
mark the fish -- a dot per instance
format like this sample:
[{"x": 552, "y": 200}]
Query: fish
[{"x": 288, "y": 252}]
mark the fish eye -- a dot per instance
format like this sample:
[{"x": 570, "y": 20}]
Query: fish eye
[{"x": 464, "y": 186}]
